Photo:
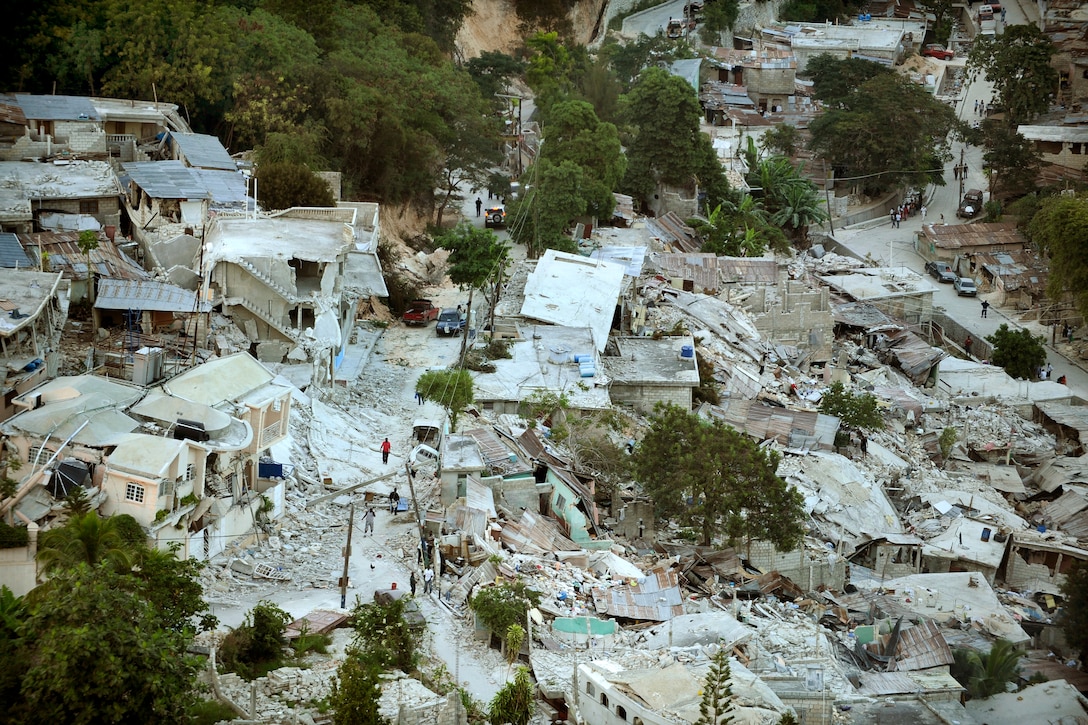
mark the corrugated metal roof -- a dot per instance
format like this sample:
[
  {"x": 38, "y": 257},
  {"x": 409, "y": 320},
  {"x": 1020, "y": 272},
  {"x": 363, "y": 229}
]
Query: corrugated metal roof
[
  {"x": 672, "y": 230},
  {"x": 958, "y": 236},
  {"x": 66, "y": 256},
  {"x": 1069, "y": 416},
  {"x": 1059, "y": 472},
  {"x": 12, "y": 254},
  {"x": 166, "y": 179},
  {"x": 226, "y": 188},
  {"x": 204, "y": 151},
  {"x": 921, "y": 647},
  {"x": 123, "y": 294},
  {"x": 749, "y": 271},
  {"x": 10, "y": 112},
  {"x": 699, "y": 267},
  {"x": 57, "y": 108},
  {"x": 655, "y": 597},
  {"x": 1065, "y": 507},
  {"x": 765, "y": 422}
]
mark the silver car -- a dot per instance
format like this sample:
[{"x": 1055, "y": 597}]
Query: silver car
[{"x": 965, "y": 287}]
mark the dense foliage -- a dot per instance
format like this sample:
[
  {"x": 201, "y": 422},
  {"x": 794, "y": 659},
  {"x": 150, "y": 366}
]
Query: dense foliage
[
  {"x": 1059, "y": 230},
  {"x": 503, "y": 605},
  {"x": 452, "y": 389},
  {"x": 515, "y": 702},
  {"x": 854, "y": 410},
  {"x": 104, "y": 639},
  {"x": 880, "y": 130},
  {"x": 258, "y": 644},
  {"x": 987, "y": 674},
  {"x": 364, "y": 88},
  {"x": 1018, "y": 351},
  {"x": 1017, "y": 62},
  {"x": 708, "y": 475},
  {"x": 1074, "y": 617}
]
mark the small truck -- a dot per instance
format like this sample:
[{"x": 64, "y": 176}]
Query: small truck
[
  {"x": 420, "y": 312},
  {"x": 971, "y": 205}
]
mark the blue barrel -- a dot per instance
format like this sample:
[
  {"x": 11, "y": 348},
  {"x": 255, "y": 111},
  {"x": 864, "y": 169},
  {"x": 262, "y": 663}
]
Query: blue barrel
[{"x": 687, "y": 351}]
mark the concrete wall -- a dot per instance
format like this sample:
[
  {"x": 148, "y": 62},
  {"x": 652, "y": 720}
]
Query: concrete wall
[
  {"x": 633, "y": 519},
  {"x": 805, "y": 571},
  {"x": 644, "y": 396},
  {"x": 771, "y": 82},
  {"x": 516, "y": 493},
  {"x": 800, "y": 317},
  {"x": 18, "y": 568}
]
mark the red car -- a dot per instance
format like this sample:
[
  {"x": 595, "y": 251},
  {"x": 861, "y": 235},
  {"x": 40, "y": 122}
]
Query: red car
[{"x": 938, "y": 51}]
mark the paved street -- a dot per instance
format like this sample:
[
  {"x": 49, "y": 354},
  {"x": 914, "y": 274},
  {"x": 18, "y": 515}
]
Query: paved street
[{"x": 895, "y": 247}]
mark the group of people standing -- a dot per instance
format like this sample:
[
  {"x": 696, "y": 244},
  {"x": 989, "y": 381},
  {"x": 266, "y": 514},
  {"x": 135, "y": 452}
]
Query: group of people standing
[
  {"x": 907, "y": 209},
  {"x": 980, "y": 108}
]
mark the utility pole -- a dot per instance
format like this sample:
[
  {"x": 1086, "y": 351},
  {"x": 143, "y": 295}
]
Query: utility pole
[
  {"x": 963, "y": 173},
  {"x": 415, "y": 505},
  {"x": 347, "y": 559}
]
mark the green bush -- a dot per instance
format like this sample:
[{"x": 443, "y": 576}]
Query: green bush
[
  {"x": 209, "y": 712},
  {"x": 257, "y": 646},
  {"x": 12, "y": 537}
]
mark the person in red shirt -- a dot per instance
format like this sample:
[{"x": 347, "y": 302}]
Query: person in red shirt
[{"x": 386, "y": 447}]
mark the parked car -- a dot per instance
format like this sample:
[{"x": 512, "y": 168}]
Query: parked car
[
  {"x": 495, "y": 216},
  {"x": 413, "y": 615},
  {"x": 420, "y": 312},
  {"x": 450, "y": 322},
  {"x": 941, "y": 271},
  {"x": 965, "y": 287},
  {"x": 934, "y": 50}
]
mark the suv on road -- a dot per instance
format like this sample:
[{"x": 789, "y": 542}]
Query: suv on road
[
  {"x": 495, "y": 216},
  {"x": 971, "y": 205},
  {"x": 413, "y": 615},
  {"x": 450, "y": 322},
  {"x": 941, "y": 271},
  {"x": 965, "y": 287}
]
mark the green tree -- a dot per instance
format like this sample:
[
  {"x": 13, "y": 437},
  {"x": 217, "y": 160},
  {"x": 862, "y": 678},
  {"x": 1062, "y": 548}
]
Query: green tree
[
  {"x": 549, "y": 71},
  {"x": 717, "y": 17},
  {"x": 542, "y": 216},
  {"x": 1017, "y": 62},
  {"x": 1074, "y": 615},
  {"x": 785, "y": 139},
  {"x": 258, "y": 644},
  {"x": 1013, "y": 160},
  {"x": 470, "y": 143},
  {"x": 492, "y": 71},
  {"x": 97, "y": 652},
  {"x": 477, "y": 260},
  {"x": 1059, "y": 230},
  {"x": 716, "y": 706},
  {"x": 818, "y": 11},
  {"x": 88, "y": 242},
  {"x": 87, "y": 539},
  {"x": 628, "y": 59},
  {"x": 382, "y": 631},
  {"x": 706, "y": 474},
  {"x": 515, "y": 702},
  {"x": 452, "y": 389},
  {"x": 835, "y": 80},
  {"x": 287, "y": 184},
  {"x": 515, "y": 636},
  {"x": 356, "y": 691},
  {"x": 885, "y": 132},
  {"x": 987, "y": 674},
  {"x": 503, "y": 605},
  {"x": 575, "y": 134},
  {"x": 789, "y": 197},
  {"x": 668, "y": 146},
  {"x": 854, "y": 410},
  {"x": 1018, "y": 351}
]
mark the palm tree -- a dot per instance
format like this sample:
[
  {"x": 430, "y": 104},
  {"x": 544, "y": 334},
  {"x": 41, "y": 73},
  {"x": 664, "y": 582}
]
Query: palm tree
[
  {"x": 85, "y": 539},
  {"x": 799, "y": 207},
  {"x": 987, "y": 674}
]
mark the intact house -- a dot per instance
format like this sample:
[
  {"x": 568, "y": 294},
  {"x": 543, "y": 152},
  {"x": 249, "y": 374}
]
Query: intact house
[
  {"x": 182, "y": 457},
  {"x": 33, "y": 310},
  {"x": 958, "y": 243},
  {"x": 64, "y": 195},
  {"x": 40, "y": 127},
  {"x": 280, "y": 278}
]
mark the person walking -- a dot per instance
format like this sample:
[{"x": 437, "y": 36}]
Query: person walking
[
  {"x": 967, "y": 345},
  {"x": 394, "y": 501},
  {"x": 1049, "y": 371},
  {"x": 387, "y": 446},
  {"x": 985, "y": 307},
  {"x": 923, "y": 210},
  {"x": 368, "y": 521},
  {"x": 412, "y": 582},
  {"x": 428, "y": 580},
  {"x": 976, "y": 106},
  {"x": 479, "y": 205},
  {"x": 419, "y": 397},
  {"x": 864, "y": 445}
]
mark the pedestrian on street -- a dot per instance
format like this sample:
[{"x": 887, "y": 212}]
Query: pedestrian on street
[
  {"x": 898, "y": 220},
  {"x": 923, "y": 210},
  {"x": 864, "y": 445},
  {"x": 976, "y": 105},
  {"x": 387, "y": 446},
  {"x": 428, "y": 580},
  {"x": 479, "y": 205},
  {"x": 967, "y": 345},
  {"x": 412, "y": 582},
  {"x": 985, "y": 307},
  {"x": 368, "y": 521},
  {"x": 394, "y": 501},
  {"x": 1049, "y": 371},
  {"x": 419, "y": 397}
]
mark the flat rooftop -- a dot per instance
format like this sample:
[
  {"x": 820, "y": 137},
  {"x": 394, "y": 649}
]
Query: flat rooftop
[
  {"x": 319, "y": 239},
  {"x": 646, "y": 360},
  {"x": 25, "y": 291},
  {"x": 22, "y": 181},
  {"x": 880, "y": 283}
]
